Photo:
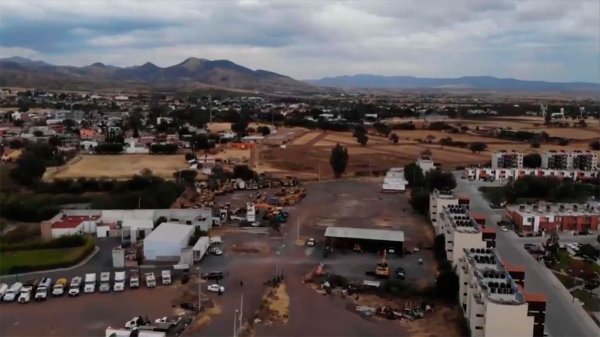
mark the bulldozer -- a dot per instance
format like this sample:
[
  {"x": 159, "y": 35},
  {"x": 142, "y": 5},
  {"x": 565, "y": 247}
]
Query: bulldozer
[{"x": 383, "y": 269}]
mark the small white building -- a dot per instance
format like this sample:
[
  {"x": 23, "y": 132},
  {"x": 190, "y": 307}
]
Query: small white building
[
  {"x": 136, "y": 229},
  {"x": 71, "y": 225},
  {"x": 394, "y": 180},
  {"x": 166, "y": 241},
  {"x": 425, "y": 163}
]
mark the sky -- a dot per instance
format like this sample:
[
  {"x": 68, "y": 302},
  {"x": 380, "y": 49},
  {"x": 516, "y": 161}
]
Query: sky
[{"x": 554, "y": 40}]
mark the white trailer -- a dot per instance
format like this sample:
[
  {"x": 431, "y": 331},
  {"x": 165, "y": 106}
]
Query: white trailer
[
  {"x": 150, "y": 280},
  {"x": 166, "y": 277}
]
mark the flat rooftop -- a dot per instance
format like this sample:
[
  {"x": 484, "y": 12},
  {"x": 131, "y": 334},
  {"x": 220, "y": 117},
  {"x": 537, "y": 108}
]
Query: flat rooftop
[
  {"x": 561, "y": 209},
  {"x": 492, "y": 276},
  {"x": 364, "y": 234},
  {"x": 460, "y": 219}
]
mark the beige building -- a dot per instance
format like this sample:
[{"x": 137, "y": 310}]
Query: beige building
[
  {"x": 461, "y": 231},
  {"x": 439, "y": 199},
  {"x": 493, "y": 299}
]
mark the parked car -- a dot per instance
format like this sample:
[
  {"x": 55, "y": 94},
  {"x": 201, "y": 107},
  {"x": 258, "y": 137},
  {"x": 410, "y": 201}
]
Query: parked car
[
  {"x": 213, "y": 275},
  {"x": 504, "y": 228},
  {"x": 75, "y": 286},
  {"x": 59, "y": 287},
  {"x": 12, "y": 292},
  {"x": 215, "y": 288},
  {"x": 400, "y": 273},
  {"x": 215, "y": 251}
]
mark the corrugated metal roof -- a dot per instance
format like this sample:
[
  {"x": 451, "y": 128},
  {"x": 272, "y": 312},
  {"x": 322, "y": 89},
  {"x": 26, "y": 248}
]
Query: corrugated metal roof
[{"x": 364, "y": 233}]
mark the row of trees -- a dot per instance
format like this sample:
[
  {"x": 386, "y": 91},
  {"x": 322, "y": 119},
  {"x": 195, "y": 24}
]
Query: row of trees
[
  {"x": 423, "y": 184},
  {"x": 549, "y": 188}
]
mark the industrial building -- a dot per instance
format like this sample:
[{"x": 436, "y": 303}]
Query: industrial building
[
  {"x": 439, "y": 199},
  {"x": 166, "y": 242},
  {"x": 394, "y": 180},
  {"x": 363, "y": 239},
  {"x": 549, "y": 216},
  {"x": 505, "y": 159},
  {"x": 462, "y": 231},
  {"x": 493, "y": 298}
]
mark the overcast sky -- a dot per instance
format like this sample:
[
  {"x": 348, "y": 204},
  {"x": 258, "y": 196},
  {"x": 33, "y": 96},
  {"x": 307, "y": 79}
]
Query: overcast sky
[{"x": 546, "y": 40}]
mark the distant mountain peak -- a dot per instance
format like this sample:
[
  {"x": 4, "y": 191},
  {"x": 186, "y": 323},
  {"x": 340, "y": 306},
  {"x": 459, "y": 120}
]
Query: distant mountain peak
[
  {"x": 98, "y": 65},
  {"x": 149, "y": 65},
  {"x": 23, "y": 61}
]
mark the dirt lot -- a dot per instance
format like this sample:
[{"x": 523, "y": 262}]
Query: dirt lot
[{"x": 120, "y": 166}]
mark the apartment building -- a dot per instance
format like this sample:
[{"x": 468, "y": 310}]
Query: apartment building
[
  {"x": 504, "y": 159},
  {"x": 574, "y": 160},
  {"x": 462, "y": 231},
  {"x": 440, "y": 198},
  {"x": 548, "y": 216},
  {"x": 491, "y": 174},
  {"x": 493, "y": 298}
]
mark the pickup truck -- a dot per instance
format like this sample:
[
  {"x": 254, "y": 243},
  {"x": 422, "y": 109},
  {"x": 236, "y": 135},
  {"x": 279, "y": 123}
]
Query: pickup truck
[
  {"x": 90, "y": 283},
  {"x": 59, "y": 287},
  {"x": 119, "y": 281},
  {"x": 150, "y": 280}
]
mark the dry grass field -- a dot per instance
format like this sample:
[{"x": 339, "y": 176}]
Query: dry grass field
[
  {"x": 310, "y": 151},
  {"x": 119, "y": 166}
]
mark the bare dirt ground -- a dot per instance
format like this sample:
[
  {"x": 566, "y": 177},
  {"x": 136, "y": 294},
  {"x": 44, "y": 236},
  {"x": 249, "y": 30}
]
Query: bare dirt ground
[{"x": 120, "y": 166}]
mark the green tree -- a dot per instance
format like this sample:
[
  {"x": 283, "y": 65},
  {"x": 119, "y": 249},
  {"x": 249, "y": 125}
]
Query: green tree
[
  {"x": 362, "y": 139},
  {"x": 38, "y": 133},
  {"x": 338, "y": 160},
  {"x": 447, "y": 283},
  {"x": 478, "y": 147},
  {"x": 381, "y": 128},
  {"x": 419, "y": 200},
  {"x": 243, "y": 172},
  {"x": 30, "y": 168},
  {"x": 532, "y": 160},
  {"x": 54, "y": 141},
  {"x": 440, "y": 180},
  {"x": 264, "y": 130},
  {"x": 595, "y": 145},
  {"x": 136, "y": 133},
  {"x": 414, "y": 175},
  {"x": 240, "y": 126},
  {"x": 589, "y": 252}
]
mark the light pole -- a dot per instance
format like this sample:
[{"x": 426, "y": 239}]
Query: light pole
[
  {"x": 139, "y": 202},
  {"x": 234, "y": 323},
  {"x": 241, "y": 311},
  {"x": 15, "y": 264},
  {"x": 199, "y": 290}
]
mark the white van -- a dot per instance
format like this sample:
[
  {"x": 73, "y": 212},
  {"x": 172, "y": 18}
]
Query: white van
[
  {"x": 150, "y": 280},
  {"x": 12, "y": 292},
  {"x": 134, "y": 281},
  {"x": 166, "y": 277}
]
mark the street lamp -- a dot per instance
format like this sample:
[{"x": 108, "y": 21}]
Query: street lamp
[
  {"x": 234, "y": 323},
  {"x": 199, "y": 290}
]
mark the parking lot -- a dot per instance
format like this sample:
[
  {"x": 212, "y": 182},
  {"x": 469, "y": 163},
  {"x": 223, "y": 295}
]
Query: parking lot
[{"x": 337, "y": 203}]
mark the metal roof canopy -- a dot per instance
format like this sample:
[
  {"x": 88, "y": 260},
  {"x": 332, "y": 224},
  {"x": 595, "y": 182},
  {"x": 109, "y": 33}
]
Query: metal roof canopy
[{"x": 364, "y": 233}]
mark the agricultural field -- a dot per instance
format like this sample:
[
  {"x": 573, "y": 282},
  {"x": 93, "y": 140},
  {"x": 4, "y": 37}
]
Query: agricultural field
[{"x": 119, "y": 166}]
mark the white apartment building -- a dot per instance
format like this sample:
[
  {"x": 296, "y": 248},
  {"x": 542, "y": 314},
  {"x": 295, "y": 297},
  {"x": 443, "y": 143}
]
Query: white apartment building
[
  {"x": 477, "y": 173},
  {"x": 461, "y": 231},
  {"x": 574, "y": 160},
  {"x": 493, "y": 300},
  {"x": 505, "y": 159},
  {"x": 439, "y": 199}
]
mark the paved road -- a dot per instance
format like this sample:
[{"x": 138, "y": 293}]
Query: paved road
[{"x": 563, "y": 317}]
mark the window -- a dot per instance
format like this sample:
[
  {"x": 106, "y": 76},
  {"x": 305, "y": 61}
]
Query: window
[
  {"x": 464, "y": 294},
  {"x": 478, "y": 328},
  {"x": 479, "y": 315},
  {"x": 465, "y": 283},
  {"x": 449, "y": 250}
]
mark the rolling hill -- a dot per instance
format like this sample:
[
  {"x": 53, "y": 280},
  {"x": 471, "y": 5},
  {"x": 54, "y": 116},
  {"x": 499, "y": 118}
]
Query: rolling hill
[
  {"x": 189, "y": 74},
  {"x": 467, "y": 82}
]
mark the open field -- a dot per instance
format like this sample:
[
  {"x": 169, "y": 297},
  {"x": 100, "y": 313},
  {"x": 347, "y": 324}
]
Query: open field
[{"x": 120, "y": 166}]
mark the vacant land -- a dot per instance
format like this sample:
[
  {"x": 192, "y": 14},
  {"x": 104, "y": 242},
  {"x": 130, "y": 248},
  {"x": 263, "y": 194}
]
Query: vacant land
[{"x": 120, "y": 166}]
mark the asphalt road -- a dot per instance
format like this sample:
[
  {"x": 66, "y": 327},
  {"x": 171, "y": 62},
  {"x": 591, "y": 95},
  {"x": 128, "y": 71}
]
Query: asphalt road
[{"x": 563, "y": 317}]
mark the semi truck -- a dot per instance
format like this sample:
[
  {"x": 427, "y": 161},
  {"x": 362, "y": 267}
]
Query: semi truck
[
  {"x": 90, "y": 283},
  {"x": 119, "y": 281},
  {"x": 166, "y": 277},
  {"x": 150, "y": 280}
]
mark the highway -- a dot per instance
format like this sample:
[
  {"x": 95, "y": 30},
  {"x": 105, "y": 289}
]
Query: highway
[{"x": 563, "y": 317}]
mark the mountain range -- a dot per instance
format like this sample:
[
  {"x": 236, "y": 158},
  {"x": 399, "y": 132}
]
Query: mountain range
[
  {"x": 189, "y": 74},
  {"x": 467, "y": 82},
  {"x": 197, "y": 73}
]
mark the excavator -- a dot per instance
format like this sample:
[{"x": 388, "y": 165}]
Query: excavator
[{"x": 383, "y": 269}]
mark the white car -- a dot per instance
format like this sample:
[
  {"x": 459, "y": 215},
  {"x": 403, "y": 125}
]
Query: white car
[
  {"x": 215, "y": 288},
  {"x": 216, "y": 251},
  {"x": 75, "y": 286},
  {"x": 504, "y": 228},
  {"x": 310, "y": 242}
]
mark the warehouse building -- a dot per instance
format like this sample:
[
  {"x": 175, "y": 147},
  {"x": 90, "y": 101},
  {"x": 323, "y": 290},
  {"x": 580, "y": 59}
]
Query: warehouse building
[
  {"x": 166, "y": 242},
  {"x": 363, "y": 239}
]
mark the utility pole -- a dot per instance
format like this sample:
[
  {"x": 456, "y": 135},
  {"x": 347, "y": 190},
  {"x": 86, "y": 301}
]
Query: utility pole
[
  {"x": 210, "y": 107},
  {"x": 139, "y": 202},
  {"x": 319, "y": 170},
  {"x": 241, "y": 312},
  {"x": 199, "y": 290},
  {"x": 234, "y": 323},
  {"x": 298, "y": 227}
]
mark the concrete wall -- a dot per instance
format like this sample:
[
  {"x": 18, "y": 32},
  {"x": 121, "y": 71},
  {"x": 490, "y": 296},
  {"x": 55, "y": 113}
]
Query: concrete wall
[{"x": 503, "y": 320}]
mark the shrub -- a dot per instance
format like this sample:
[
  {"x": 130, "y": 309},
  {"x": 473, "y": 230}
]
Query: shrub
[
  {"x": 109, "y": 148},
  {"x": 163, "y": 148}
]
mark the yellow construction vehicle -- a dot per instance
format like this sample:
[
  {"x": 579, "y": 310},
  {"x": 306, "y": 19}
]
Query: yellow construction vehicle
[{"x": 383, "y": 269}]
